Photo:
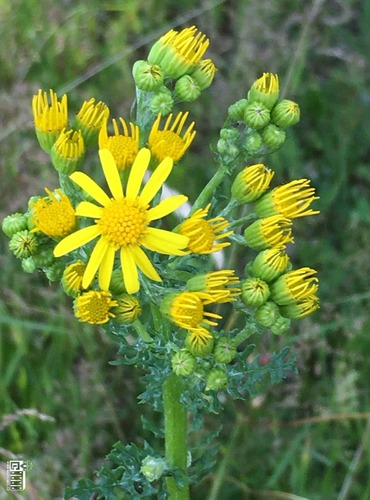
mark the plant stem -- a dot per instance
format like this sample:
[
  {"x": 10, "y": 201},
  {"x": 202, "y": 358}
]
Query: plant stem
[
  {"x": 175, "y": 427},
  {"x": 209, "y": 188}
]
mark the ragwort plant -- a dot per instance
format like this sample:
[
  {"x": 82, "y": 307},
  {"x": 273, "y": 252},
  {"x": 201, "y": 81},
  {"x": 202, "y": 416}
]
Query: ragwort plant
[{"x": 160, "y": 293}]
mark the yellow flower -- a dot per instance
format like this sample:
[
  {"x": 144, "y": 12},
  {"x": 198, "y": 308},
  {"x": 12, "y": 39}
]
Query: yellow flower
[
  {"x": 53, "y": 215},
  {"x": 50, "y": 119},
  {"x": 205, "y": 234},
  {"x": 294, "y": 286},
  {"x": 94, "y": 307},
  {"x": 169, "y": 141},
  {"x": 251, "y": 183},
  {"x": 269, "y": 232},
  {"x": 177, "y": 53},
  {"x": 301, "y": 308},
  {"x": 219, "y": 285},
  {"x": 265, "y": 90},
  {"x": 68, "y": 151},
  {"x": 122, "y": 222},
  {"x": 90, "y": 120},
  {"x": 124, "y": 147},
  {"x": 72, "y": 278},
  {"x": 290, "y": 200}
]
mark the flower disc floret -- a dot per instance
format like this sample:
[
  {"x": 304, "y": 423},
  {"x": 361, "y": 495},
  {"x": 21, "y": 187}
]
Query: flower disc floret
[
  {"x": 124, "y": 145},
  {"x": 54, "y": 214},
  {"x": 122, "y": 222},
  {"x": 94, "y": 307}
]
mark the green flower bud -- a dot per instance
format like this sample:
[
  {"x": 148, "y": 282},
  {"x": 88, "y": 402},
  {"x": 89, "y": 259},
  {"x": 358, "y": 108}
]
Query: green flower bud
[
  {"x": 274, "y": 231},
  {"x": 256, "y": 115},
  {"x": 273, "y": 136},
  {"x": 128, "y": 309},
  {"x": 72, "y": 278},
  {"x": 117, "y": 286},
  {"x": 153, "y": 467},
  {"x": 44, "y": 258},
  {"x": 14, "y": 223},
  {"x": 270, "y": 264},
  {"x": 229, "y": 134},
  {"x": 200, "y": 349},
  {"x": 281, "y": 326},
  {"x": 183, "y": 363},
  {"x": 286, "y": 113},
  {"x": 265, "y": 90},
  {"x": 216, "y": 379},
  {"x": 55, "y": 271},
  {"x": 251, "y": 183},
  {"x": 90, "y": 119},
  {"x": 268, "y": 314},
  {"x": 68, "y": 151},
  {"x": 255, "y": 292},
  {"x": 187, "y": 89},
  {"x": 162, "y": 103},
  {"x": 253, "y": 142},
  {"x": 227, "y": 149},
  {"x": 28, "y": 265},
  {"x": 301, "y": 308},
  {"x": 224, "y": 350},
  {"x": 204, "y": 73},
  {"x": 148, "y": 77},
  {"x": 23, "y": 244},
  {"x": 236, "y": 111}
]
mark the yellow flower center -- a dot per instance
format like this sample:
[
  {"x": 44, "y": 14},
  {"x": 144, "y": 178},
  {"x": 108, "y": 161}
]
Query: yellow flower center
[
  {"x": 94, "y": 307},
  {"x": 167, "y": 143},
  {"x": 123, "y": 223},
  {"x": 54, "y": 215},
  {"x": 124, "y": 150}
]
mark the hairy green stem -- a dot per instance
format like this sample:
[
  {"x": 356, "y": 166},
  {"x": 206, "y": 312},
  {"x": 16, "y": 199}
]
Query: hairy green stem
[
  {"x": 209, "y": 188},
  {"x": 175, "y": 427}
]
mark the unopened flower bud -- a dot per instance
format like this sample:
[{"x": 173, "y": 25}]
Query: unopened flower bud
[
  {"x": 153, "y": 467},
  {"x": 14, "y": 223},
  {"x": 128, "y": 309},
  {"x": 148, "y": 77},
  {"x": 204, "y": 73},
  {"x": 270, "y": 264},
  {"x": 200, "y": 349},
  {"x": 236, "y": 111},
  {"x": 265, "y": 90},
  {"x": 90, "y": 119},
  {"x": 256, "y": 115},
  {"x": 117, "y": 286},
  {"x": 224, "y": 350},
  {"x": 255, "y": 292},
  {"x": 162, "y": 103},
  {"x": 251, "y": 183},
  {"x": 183, "y": 363},
  {"x": 267, "y": 314},
  {"x": 44, "y": 258},
  {"x": 229, "y": 134},
  {"x": 23, "y": 244},
  {"x": 281, "y": 326},
  {"x": 286, "y": 113},
  {"x": 187, "y": 89},
  {"x": 72, "y": 278},
  {"x": 28, "y": 265},
  {"x": 227, "y": 149},
  {"x": 68, "y": 151},
  {"x": 273, "y": 136},
  {"x": 55, "y": 271},
  {"x": 253, "y": 142},
  {"x": 216, "y": 379}
]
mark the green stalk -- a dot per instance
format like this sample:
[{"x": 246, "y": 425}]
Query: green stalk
[
  {"x": 175, "y": 428},
  {"x": 209, "y": 188}
]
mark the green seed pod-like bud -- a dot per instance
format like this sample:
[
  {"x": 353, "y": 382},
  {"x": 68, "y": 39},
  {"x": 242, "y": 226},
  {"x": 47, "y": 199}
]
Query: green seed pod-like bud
[
  {"x": 229, "y": 134},
  {"x": 28, "y": 265},
  {"x": 187, "y": 89},
  {"x": 44, "y": 258},
  {"x": 270, "y": 264},
  {"x": 227, "y": 149},
  {"x": 153, "y": 467},
  {"x": 14, "y": 223},
  {"x": 117, "y": 286},
  {"x": 23, "y": 244},
  {"x": 273, "y": 136},
  {"x": 286, "y": 113},
  {"x": 281, "y": 326},
  {"x": 200, "y": 349},
  {"x": 183, "y": 363},
  {"x": 162, "y": 103},
  {"x": 128, "y": 309},
  {"x": 55, "y": 271},
  {"x": 253, "y": 142},
  {"x": 268, "y": 314},
  {"x": 256, "y": 115},
  {"x": 224, "y": 350},
  {"x": 255, "y": 292},
  {"x": 148, "y": 77},
  {"x": 236, "y": 111},
  {"x": 216, "y": 379}
]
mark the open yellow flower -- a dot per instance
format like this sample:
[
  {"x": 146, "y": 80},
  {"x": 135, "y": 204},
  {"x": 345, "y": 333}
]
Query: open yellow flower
[{"x": 122, "y": 222}]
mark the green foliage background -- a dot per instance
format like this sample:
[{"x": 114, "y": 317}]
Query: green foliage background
[{"x": 308, "y": 436}]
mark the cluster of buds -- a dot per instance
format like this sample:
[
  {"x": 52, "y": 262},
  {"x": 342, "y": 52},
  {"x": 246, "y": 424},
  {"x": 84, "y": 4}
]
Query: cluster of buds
[
  {"x": 257, "y": 123},
  {"x": 278, "y": 292},
  {"x": 175, "y": 70}
]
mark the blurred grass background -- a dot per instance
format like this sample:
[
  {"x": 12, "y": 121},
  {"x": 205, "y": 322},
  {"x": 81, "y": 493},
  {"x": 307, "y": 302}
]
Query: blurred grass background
[{"x": 305, "y": 438}]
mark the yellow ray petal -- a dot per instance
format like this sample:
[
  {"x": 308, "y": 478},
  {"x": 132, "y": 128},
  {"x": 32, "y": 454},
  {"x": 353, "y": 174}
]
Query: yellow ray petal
[
  {"x": 106, "y": 268},
  {"x": 166, "y": 206},
  {"x": 111, "y": 173},
  {"x": 161, "y": 241},
  {"x": 91, "y": 187},
  {"x": 145, "y": 265},
  {"x": 76, "y": 240},
  {"x": 156, "y": 180},
  {"x": 87, "y": 209},
  {"x": 137, "y": 173},
  {"x": 129, "y": 269},
  {"x": 95, "y": 260}
]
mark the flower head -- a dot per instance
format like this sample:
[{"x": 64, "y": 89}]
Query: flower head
[
  {"x": 68, "y": 151},
  {"x": 171, "y": 140},
  {"x": 124, "y": 147},
  {"x": 54, "y": 214},
  {"x": 205, "y": 234},
  {"x": 122, "y": 222},
  {"x": 204, "y": 73},
  {"x": 286, "y": 113},
  {"x": 270, "y": 264},
  {"x": 72, "y": 278},
  {"x": 251, "y": 183},
  {"x": 50, "y": 117},
  {"x": 301, "y": 308},
  {"x": 294, "y": 286},
  {"x": 90, "y": 120},
  {"x": 128, "y": 309},
  {"x": 177, "y": 53},
  {"x": 265, "y": 90},
  {"x": 274, "y": 231},
  {"x": 221, "y": 286},
  {"x": 94, "y": 307},
  {"x": 290, "y": 200}
]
